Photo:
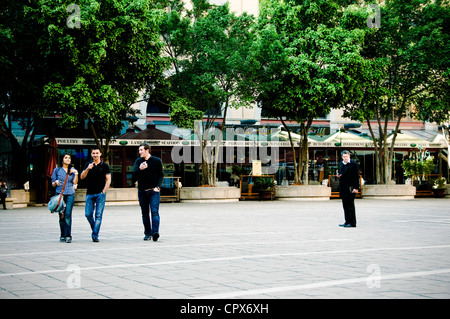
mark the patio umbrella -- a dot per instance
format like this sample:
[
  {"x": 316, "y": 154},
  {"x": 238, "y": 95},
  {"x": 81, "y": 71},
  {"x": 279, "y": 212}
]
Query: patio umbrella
[
  {"x": 52, "y": 157},
  {"x": 407, "y": 140},
  {"x": 346, "y": 137}
]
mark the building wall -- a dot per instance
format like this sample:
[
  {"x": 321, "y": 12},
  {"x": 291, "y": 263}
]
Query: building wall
[{"x": 240, "y": 6}]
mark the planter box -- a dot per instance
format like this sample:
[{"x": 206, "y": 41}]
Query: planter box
[
  {"x": 209, "y": 194},
  {"x": 397, "y": 191},
  {"x": 22, "y": 198},
  {"x": 114, "y": 196},
  {"x": 9, "y": 202},
  {"x": 447, "y": 194},
  {"x": 439, "y": 193},
  {"x": 302, "y": 192}
]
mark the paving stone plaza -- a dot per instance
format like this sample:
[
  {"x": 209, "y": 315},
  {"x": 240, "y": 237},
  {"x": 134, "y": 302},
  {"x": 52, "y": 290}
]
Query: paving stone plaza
[{"x": 241, "y": 250}]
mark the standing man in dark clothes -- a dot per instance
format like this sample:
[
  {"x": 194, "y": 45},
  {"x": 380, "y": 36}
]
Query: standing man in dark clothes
[
  {"x": 148, "y": 172},
  {"x": 98, "y": 177},
  {"x": 348, "y": 187}
]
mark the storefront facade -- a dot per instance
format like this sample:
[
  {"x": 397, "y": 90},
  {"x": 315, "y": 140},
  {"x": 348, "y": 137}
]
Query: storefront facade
[{"x": 324, "y": 156}]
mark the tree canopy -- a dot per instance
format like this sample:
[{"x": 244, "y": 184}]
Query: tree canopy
[
  {"x": 209, "y": 50},
  {"x": 109, "y": 60},
  {"x": 309, "y": 63},
  {"x": 406, "y": 71},
  {"x": 83, "y": 63},
  {"x": 87, "y": 63}
]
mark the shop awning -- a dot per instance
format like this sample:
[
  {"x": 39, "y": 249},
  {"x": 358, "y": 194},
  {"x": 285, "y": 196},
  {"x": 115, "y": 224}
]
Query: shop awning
[
  {"x": 415, "y": 139},
  {"x": 343, "y": 140}
]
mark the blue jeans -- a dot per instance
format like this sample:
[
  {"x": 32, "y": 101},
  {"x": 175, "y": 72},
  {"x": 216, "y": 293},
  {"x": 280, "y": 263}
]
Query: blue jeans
[
  {"x": 149, "y": 202},
  {"x": 65, "y": 220},
  {"x": 97, "y": 200}
]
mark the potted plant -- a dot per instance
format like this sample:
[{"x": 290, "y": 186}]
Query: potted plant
[
  {"x": 438, "y": 188},
  {"x": 264, "y": 183},
  {"x": 410, "y": 168},
  {"x": 265, "y": 187}
]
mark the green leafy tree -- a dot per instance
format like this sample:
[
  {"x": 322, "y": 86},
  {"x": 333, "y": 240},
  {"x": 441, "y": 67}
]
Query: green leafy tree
[
  {"x": 308, "y": 64},
  {"x": 433, "y": 105},
  {"x": 417, "y": 167},
  {"x": 104, "y": 62},
  {"x": 23, "y": 73},
  {"x": 209, "y": 51},
  {"x": 406, "y": 71}
]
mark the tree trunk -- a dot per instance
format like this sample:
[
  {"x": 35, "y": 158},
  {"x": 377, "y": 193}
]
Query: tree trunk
[
  {"x": 210, "y": 154},
  {"x": 392, "y": 150},
  {"x": 20, "y": 159},
  {"x": 296, "y": 175},
  {"x": 300, "y": 162},
  {"x": 104, "y": 148},
  {"x": 384, "y": 153},
  {"x": 213, "y": 171},
  {"x": 305, "y": 152}
]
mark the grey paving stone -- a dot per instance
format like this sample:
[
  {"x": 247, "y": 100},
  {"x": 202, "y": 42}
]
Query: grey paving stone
[{"x": 249, "y": 249}]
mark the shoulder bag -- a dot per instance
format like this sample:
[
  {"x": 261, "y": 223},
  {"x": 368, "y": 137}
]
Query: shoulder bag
[{"x": 56, "y": 203}]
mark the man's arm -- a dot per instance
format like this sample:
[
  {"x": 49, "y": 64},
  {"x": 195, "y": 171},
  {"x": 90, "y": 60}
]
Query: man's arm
[
  {"x": 356, "y": 177},
  {"x": 86, "y": 170},
  {"x": 83, "y": 174},
  {"x": 107, "y": 183},
  {"x": 135, "y": 171},
  {"x": 161, "y": 174},
  {"x": 339, "y": 174}
]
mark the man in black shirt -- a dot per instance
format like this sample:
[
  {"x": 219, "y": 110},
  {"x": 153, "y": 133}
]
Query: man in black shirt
[
  {"x": 148, "y": 172},
  {"x": 98, "y": 177}
]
